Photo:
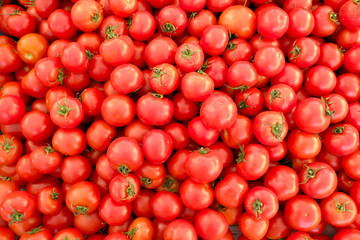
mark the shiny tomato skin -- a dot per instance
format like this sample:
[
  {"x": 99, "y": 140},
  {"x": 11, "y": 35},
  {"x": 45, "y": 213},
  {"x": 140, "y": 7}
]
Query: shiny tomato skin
[
  {"x": 304, "y": 52},
  {"x": 277, "y": 28},
  {"x": 60, "y": 24},
  {"x": 121, "y": 75},
  {"x": 303, "y": 145},
  {"x": 70, "y": 141},
  {"x": 341, "y": 139},
  {"x": 209, "y": 44},
  {"x": 314, "y": 109},
  {"x": 240, "y": 133},
  {"x": 118, "y": 116},
  {"x": 302, "y": 213},
  {"x": 157, "y": 146},
  {"x": 283, "y": 181},
  {"x": 263, "y": 197},
  {"x": 210, "y": 224},
  {"x": 247, "y": 224},
  {"x": 87, "y": 15},
  {"x": 239, "y": 20},
  {"x": 191, "y": 190},
  {"x": 160, "y": 50},
  {"x": 312, "y": 178},
  {"x": 218, "y": 111}
]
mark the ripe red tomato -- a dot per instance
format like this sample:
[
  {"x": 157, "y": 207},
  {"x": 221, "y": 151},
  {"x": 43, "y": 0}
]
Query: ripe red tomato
[
  {"x": 318, "y": 180},
  {"x": 303, "y": 145},
  {"x": 114, "y": 213},
  {"x": 87, "y": 15},
  {"x": 302, "y": 213},
  {"x": 178, "y": 229},
  {"x": 157, "y": 146},
  {"x": 261, "y": 203},
  {"x": 211, "y": 224},
  {"x": 164, "y": 79},
  {"x": 304, "y": 52},
  {"x": 118, "y": 116},
  {"x": 251, "y": 228},
  {"x": 270, "y": 127},
  {"x": 239, "y": 20}
]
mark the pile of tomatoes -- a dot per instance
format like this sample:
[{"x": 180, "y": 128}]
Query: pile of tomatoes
[{"x": 175, "y": 119}]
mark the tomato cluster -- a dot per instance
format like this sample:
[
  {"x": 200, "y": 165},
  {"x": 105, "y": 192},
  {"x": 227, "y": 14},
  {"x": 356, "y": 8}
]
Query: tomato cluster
[{"x": 175, "y": 119}]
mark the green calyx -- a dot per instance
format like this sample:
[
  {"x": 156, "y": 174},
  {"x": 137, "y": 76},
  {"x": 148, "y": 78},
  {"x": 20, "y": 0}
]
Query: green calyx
[
  {"x": 130, "y": 234},
  {"x": 334, "y": 17},
  {"x": 241, "y": 155},
  {"x": 7, "y": 145},
  {"x": 55, "y": 195},
  {"x": 231, "y": 46},
  {"x": 327, "y": 109},
  {"x": 257, "y": 207},
  {"x": 310, "y": 173},
  {"x": 167, "y": 184},
  {"x": 342, "y": 207},
  {"x": 35, "y": 230},
  {"x": 61, "y": 75},
  {"x": 168, "y": 27},
  {"x": 79, "y": 210},
  {"x": 109, "y": 32},
  {"x": 16, "y": 217},
  {"x": 48, "y": 149},
  {"x": 274, "y": 94},
  {"x": 64, "y": 110},
  {"x": 123, "y": 169},
  {"x": 89, "y": 55},
  {"x": 146, "y": 181},
  {"x": 157, "y": 95},
  {"x": 95, "y": 17},
  {"x": 130, "y": 190},
  {"x": 296, "y": 51},
  {"x": 193, "y": 15},
  {"x": 277, "y": 129},
  {"x": 242, "y": 105},
  {"x": 338, "y": 130},
  {"x": 187, "y": 53},
  {"x": 203, "y": 151},
  {"x": 157, "y": 73}
]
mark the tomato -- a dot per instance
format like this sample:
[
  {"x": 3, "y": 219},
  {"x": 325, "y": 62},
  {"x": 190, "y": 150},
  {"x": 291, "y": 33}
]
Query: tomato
[
  {"x": 176, "y": 164},
  {"x": 120, "y": 78},
  {"x": 36, "y": 126},
  {"x": 270, "y": 127},
  {"x": 283, "y": 181},
  {"x": 124, "y": 188},
  {"x": 45, "y": 8},
  {"x": 114, "y": 213},
  {"x": 69, "y": 141},
  {"x": 218, "y": 6},
  {"x": 196, "y": 86},
  {"x": 32, "y": 47},
  {"x": 261, "y": 203},
  {"x": 348, "y": 15},
  {"x": 63, "y": 219},
  {"x": 7, "y": 187},
  {"x": 67, "y": 113},
  {"x": 315, "y": 83},
  {"x": 349, "y": 164},
  {"x": 302, "y": 213},
  {"x": 160, "y": 50},
  {"x": 249, "y": 224},
  {"x": 166, "y": 206},
  {"x": 164, "y": 79},
  {"x": 141, "y": 25},
  {"x": 242, "y": 75},
  {"x": 326, "y": 21},
  {"x": 196, "y": 196},
  {"x": 218, "y": 111},
  {"x": 20, "y": 23},
  {"x": 150, "y": 175},
  {"x": 347, "y": 234},
  {"x": 61, "y": 25},
  {"x": 82, "y": 198},
  {"x": 178, "y": 134},
  {"x": 252, "y": 162},
  {"x": 68, "y": 233},
  {"x": 184, "y": 109},
  {"x": 347, "y": 38},
  {"x": 116, "y": 236},
  {"x": 299, "y": 235},
  {"x": 240, "y": 133},
  {"x": 117, "y": 51},
  {"x": 6, "y": 234},
  {"x": 49, "y": 200},
  {"x": 99, "y": 69},
  {"x": 178, "y": 229},
  {"x": 350, "y": 63},
  {"x": 348, "y": 86},
  {"x": 278, "y": 227},
  {"x": 250, "y": 102},
  {"x": 17, "y": 207},
  {"x": 141, "y": 229},
  {"x": 212, "y": 45},
  {"x": 10, "y": 61},
  {"x": 125, "y": 155},
  {"x": 154, "y": 109},
  {"x": 189, "y": 57},
  {"x": 45, "y": 159},
  {"x": 198, "y": 21},
  {"x": 25, "y": 226},
  {"x": 341, "y": 139},
  {"x": 142, "y": 204},
  {"x": 11, "y": 149},
  {"x": 312, "y": 115},
  {"x": 304, "y": 52},
  {"x": 87, "y": 15},
  {"x": 210, "y": 224},
  {"x": 301, "y": 23},
  {"x": 267, "y": 27},
  {"x": 303, "y": 145},
  {"x": 203, "y": 166},
  {"x": 237, "y": 50},
  {"x": 339, "y": 209},
  {"x": 157, "y": 146},
  {"x": 113, "y": 27},
  {"x": 318, "y": 180},
  {"x": 172, "y": 20},
  {"x": 239, "y": 20},
  {"x": 280, "y": 97},
  {"x": 123, "y": 8},
  {"x": 230, "y": 191}
]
